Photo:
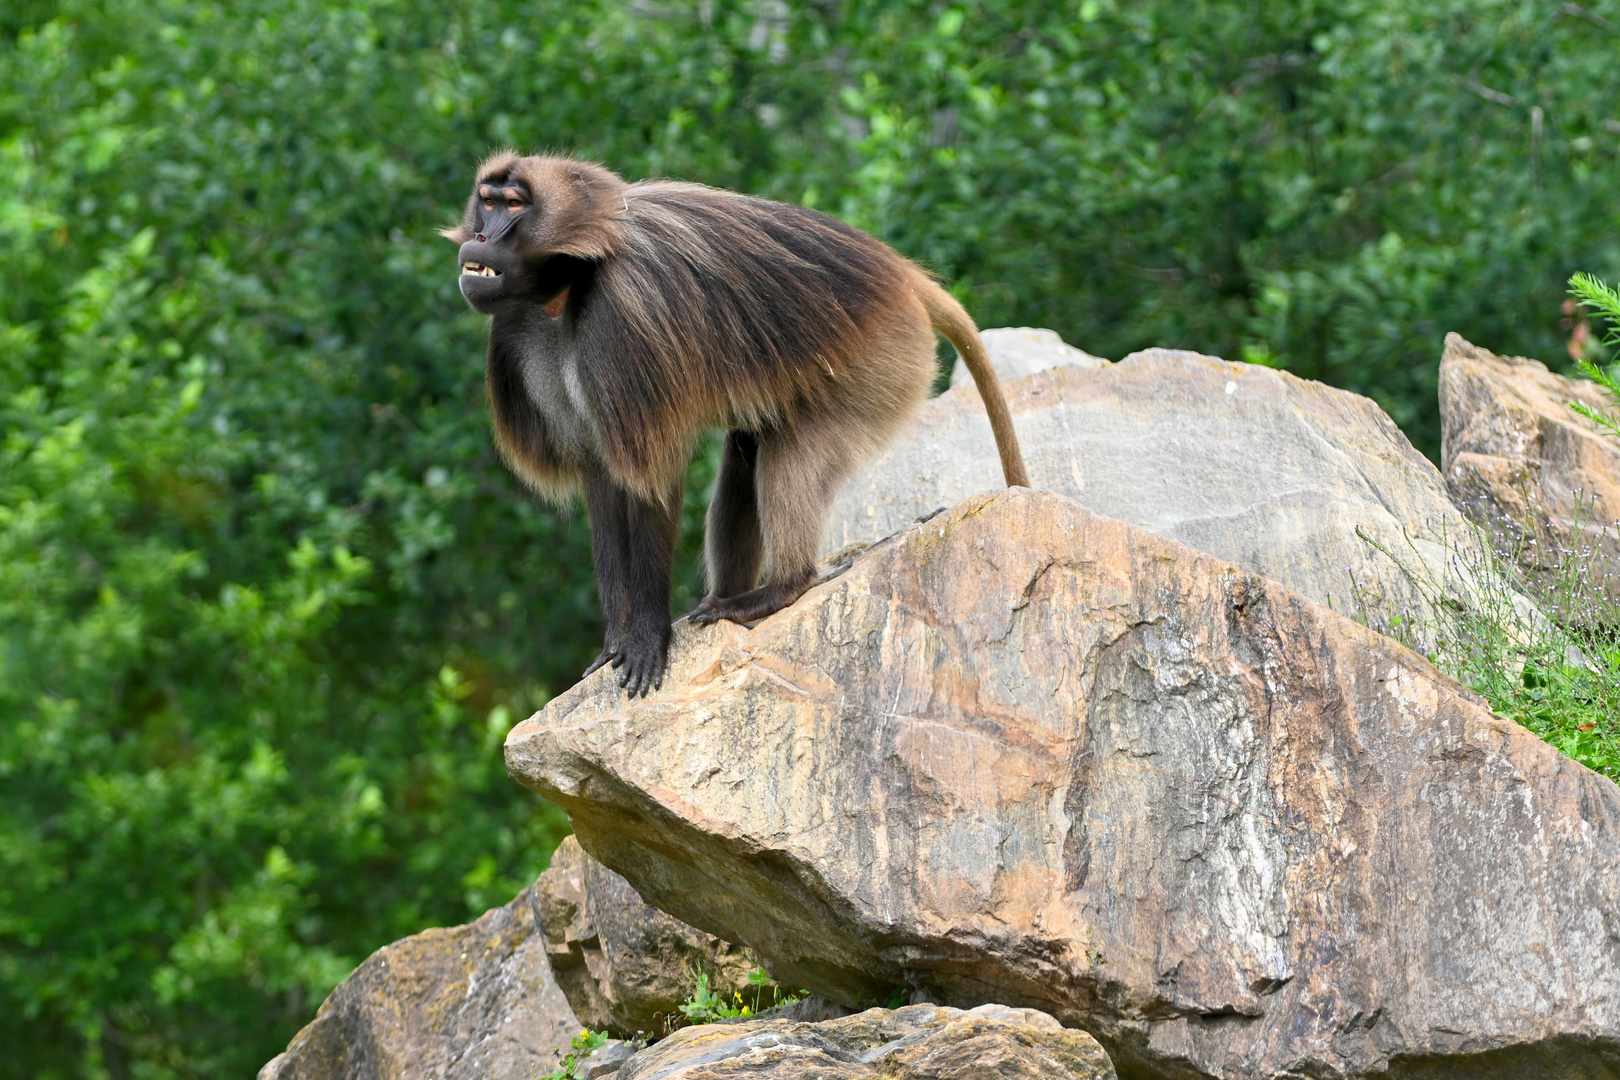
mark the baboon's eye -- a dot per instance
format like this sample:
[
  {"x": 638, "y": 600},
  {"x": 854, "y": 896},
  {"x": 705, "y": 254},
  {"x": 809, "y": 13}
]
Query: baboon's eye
[
  {"x": 514, "y": 204},
  {"x": 489, "y": 204}
]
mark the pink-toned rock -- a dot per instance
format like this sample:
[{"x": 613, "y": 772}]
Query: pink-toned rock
[
  {"x": 625, "y": 966},
  {"x": 458, "y": 1003},
  {"x": 1029, "y": 755},
  {"x": 1521, "y": 462}
]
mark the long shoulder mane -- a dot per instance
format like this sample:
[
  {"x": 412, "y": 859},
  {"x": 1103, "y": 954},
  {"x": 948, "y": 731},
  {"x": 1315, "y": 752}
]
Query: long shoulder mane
[{"x": 782, "y": 290}]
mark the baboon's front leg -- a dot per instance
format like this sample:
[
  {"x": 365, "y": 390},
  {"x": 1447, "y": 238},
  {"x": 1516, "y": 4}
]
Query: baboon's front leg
[
  {"x": 644, "y": 652},
  {"x": 609, "y": 510}
]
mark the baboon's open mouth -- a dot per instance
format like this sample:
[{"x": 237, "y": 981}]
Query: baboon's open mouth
[{"x": 479, "y": 269}]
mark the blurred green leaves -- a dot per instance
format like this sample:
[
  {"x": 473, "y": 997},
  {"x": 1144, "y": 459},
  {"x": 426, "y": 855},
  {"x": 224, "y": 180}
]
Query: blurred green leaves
[{"x": 268, "y": 602}]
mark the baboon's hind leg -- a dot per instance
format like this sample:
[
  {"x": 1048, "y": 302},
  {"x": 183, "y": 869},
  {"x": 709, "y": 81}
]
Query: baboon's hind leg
[
  {"x": 797, "y": 473},
  {"x": 732, "y": 547}
]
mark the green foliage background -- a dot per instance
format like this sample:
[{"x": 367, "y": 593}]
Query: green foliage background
[{"x": 268, "y": 603}]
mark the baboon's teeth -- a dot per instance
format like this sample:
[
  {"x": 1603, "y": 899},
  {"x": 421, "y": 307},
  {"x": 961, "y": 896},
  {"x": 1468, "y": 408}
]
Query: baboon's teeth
[{"x": 479, "y": 269}]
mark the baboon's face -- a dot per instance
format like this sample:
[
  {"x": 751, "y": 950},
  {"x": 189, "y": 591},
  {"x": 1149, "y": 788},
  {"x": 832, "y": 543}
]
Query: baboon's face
[{"x": 515, "y": 232}]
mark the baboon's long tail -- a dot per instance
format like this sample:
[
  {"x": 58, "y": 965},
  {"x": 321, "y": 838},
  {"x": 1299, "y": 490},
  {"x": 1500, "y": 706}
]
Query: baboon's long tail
[{"x": 949, "y": 318}]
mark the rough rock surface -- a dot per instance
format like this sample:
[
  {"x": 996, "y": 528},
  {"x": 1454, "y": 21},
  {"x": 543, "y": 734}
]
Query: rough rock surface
[
  {"x": 456, "y": 1003},
  {"x": 1030, "y": 755},
  {"x": 1018, "y": 351},
  {"x": 623, "y": 964},
  {"x": 1256, "y": 466},
  {"x": 1517, "y": 458},
  {"x": 919, "y": 1042}
]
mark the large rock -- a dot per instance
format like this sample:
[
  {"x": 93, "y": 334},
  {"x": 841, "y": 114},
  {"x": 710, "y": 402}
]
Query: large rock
[
  {"x": 458, "y": 1003},
  {"x": 920, "y": 1042},
  {"x": 1030, "y": 755},
  {"x": 1256, "y": 466},
  {"x": 624, "y": 965},
  {"x": 1521, "y": 462}
]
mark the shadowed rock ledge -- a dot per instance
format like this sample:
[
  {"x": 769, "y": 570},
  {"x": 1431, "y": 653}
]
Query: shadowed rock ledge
[
  {"x": 1025, "y": 754},
  {"x": 624, "y": 966}
]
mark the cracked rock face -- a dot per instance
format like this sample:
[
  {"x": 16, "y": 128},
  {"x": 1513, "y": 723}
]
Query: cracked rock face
[
  {"x": 1518, "y": 459},
  {"x": 919, "y": 1042},
  {"x": 458, "y": 1003},
  {"x": 1258, "y": 467},
  {"x": 624, "y": 965},
  {"x": 1029, "y": 755}
]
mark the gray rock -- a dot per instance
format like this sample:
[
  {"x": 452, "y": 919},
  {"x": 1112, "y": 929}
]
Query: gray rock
[
  {"x": 624, "y": 965},
  {"x": 1018, "y": 351},
  {"x": 1027, "y": 754},
  {"x": 607, "y": 1061},
  {"x": 1255, "y": 466},
  {"x": 919, "y": 1042},
  {"x": 1543, "y": 479},
  {"x": 458, "y": 1003}
]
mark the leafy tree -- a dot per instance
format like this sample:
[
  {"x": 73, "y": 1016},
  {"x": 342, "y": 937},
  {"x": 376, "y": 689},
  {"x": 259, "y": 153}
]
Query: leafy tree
[{"x": 268, "y": 602}]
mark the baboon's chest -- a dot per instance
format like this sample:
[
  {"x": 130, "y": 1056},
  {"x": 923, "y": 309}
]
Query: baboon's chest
[{"x": 548, "y": 360}]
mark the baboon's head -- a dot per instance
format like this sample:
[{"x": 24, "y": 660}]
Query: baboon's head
[{"x": 532, "y": 227}]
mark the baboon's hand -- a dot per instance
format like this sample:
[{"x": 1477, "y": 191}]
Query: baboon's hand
[{"x": 641, "y": 660}]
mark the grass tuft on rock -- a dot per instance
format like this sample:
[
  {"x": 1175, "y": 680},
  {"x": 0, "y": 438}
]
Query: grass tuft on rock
[{"x": 1532, "y": 632}]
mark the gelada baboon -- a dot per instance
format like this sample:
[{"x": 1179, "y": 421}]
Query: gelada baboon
[{"x": 628, "y": 318}]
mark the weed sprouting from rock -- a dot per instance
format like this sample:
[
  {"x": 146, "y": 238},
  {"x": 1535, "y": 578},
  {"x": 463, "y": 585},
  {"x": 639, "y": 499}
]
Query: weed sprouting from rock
[
  {"x": 568, "y": 1064},
  {"x": 706, "y": 1006}
]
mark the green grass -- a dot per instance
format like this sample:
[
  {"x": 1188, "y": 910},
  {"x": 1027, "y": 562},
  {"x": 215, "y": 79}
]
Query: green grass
[{"x": 1551, "y": 664}]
